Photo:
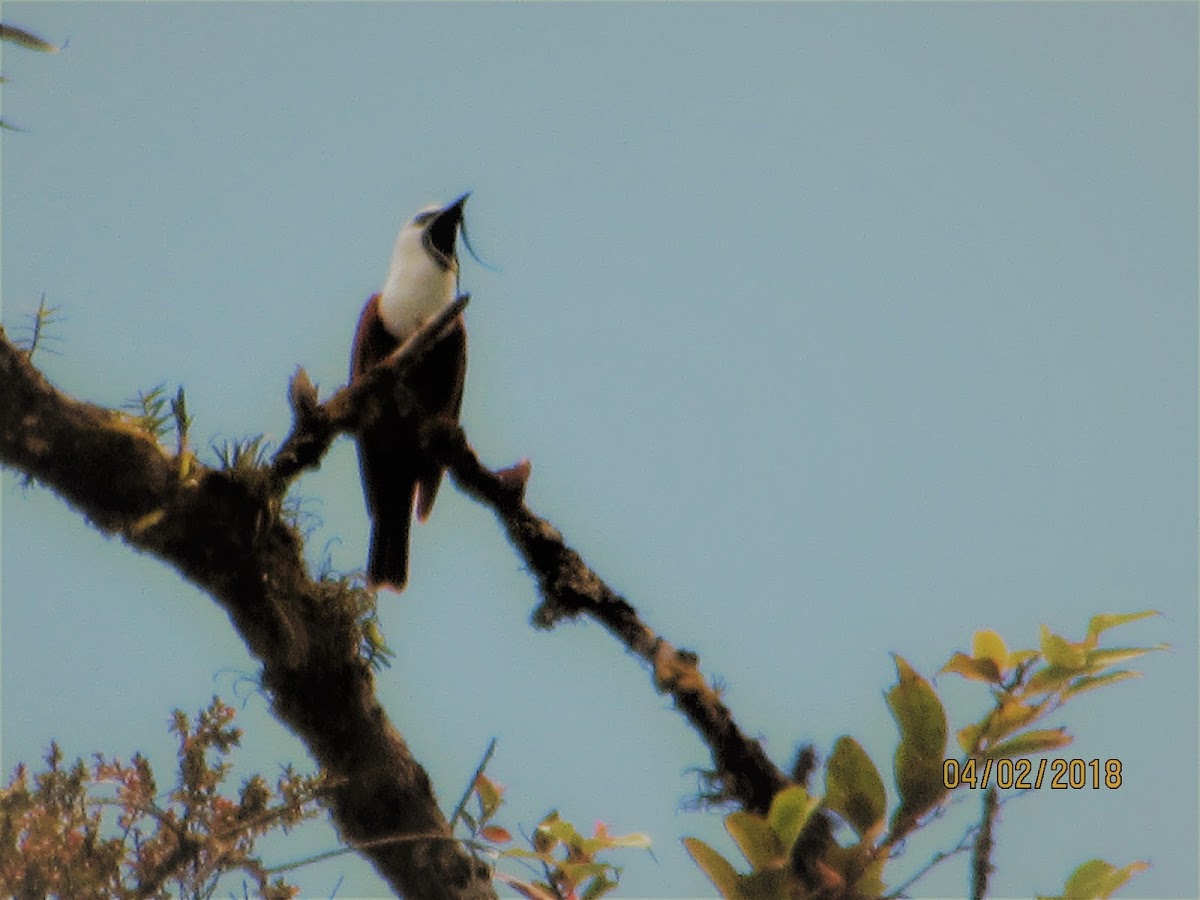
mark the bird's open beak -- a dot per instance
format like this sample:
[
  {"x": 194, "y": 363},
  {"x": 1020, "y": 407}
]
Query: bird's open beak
[
  {"x": 457, "y": 205},
  {"x": 444, "y": 227}
]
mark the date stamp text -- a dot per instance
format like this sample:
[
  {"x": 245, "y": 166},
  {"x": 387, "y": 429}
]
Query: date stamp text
[{"x": 1027, "y": 774}]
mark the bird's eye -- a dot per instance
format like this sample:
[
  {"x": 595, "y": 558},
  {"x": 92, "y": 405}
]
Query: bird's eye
[{"x": 422, "y": 218}]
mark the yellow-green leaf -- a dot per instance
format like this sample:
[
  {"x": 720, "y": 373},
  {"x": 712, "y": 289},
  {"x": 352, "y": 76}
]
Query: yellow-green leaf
[
  {"x": 1098, "y": 879},
  {"x": 989, "y": 645},
  {"x": 1105, "y": 621},
  {"x": 853, "y": 787},
  {"x": 754, "y": 837},
  {"x": 1091, "y": 682},
  {"x": 490, "y": 794},
  {"x": 1011, "y": 715},
  {"x": 790, "y": 811},
  {"x": 1061, "y": 652},
  {"x": 1049, "y": 679},
  {"x": 559, "y": 829},
  {"x": 968, "y": 738},
  {"x": 26, "y": 39},
  {"x": 723, "y": 876},
  {"x": 635, "y": 840},
  {"x": 1031, "y": 743},
  {"x": 974, "y": 669},
  {"x": 922, "y": 748},
  {"x": 921, "y": 784},
  {"x": 1100, "y": 659},
  {"x": 918, "y": 711}
]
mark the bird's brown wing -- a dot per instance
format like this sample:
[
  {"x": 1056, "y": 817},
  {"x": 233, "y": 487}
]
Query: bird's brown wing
[
  {"x": 371, "y": 340},
  {"x": 388, "y": 461},
  {"x": 442, "y": 375}
]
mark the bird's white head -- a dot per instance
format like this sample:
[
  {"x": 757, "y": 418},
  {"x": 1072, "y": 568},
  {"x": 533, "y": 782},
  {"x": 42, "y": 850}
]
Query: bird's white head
[{"x": 423, "y": 274}]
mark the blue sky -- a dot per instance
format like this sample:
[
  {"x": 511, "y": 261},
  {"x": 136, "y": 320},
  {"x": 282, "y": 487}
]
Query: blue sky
[{"x": 831, "y": 330}]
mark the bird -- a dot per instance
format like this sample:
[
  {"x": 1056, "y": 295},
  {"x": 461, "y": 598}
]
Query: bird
[{"x": 398, "y": 478}]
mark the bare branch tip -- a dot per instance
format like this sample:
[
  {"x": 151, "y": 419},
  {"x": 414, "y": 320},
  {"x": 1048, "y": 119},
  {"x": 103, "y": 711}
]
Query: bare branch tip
[
  {"x": 302, "y": 393},
  {"x": 515, "y": 478}
]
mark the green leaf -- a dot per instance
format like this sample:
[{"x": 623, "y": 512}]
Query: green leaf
[
  {"x": 918, "y": 711},
  {"x": 1098, "y": 879},
  {"x": 974, "y": 669},
  {"x": 1011, "y": 715},
  {"x": 635, "y": 840},
  {"x": 853, "y": 787},
  {"x": 1031, "y": 743},
  {"x": 754, "y": 837},
  {"x": 790, "y": 811},
  {"x": 243, "y": 455},
  {"x": 1100, "y": 659},
  {"x": 26, "y": 39},
  {"x": 723, "y": 875},
  {"x": 147, "y": 410},
  {"x": 1049, "y": 679},
  {"x": 922, "y": 749},
  {"x": 183, "y": 422},
  {"x": 988, "y": 644},
  {"x": 1091, "y": 682},
  {"x": 1105, "y": 621},
  {"x": 550, "y": 832},
  {"x": 1061, "y": 652},
  {"x": 489, "y": 795},
  {"x": 968, "y": 738},
  {"x": 560, "y": 829}
]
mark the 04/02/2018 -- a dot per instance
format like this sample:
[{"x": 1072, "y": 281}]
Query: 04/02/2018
[{"x": 1023, "y": 774}]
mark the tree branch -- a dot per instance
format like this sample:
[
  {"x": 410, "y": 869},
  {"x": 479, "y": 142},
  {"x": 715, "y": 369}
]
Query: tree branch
[
  {"x": 224, "y": 531},
  {"x": 981, "y": 852},
  {"x": 568, "y": 586},
  {"x": 315, "y": 425}
]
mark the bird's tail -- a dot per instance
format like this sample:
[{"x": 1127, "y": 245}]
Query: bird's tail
[{"x": 387, "y": 564}]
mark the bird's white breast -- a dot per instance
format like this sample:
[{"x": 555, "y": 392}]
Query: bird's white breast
[{"x": 416, "y": 287}]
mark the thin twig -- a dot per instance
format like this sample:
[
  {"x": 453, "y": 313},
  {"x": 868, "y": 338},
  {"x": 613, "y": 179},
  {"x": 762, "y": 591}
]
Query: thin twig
[
  {"x": 462, "y": 804},
  {"x": 981, "y": 853},
  {"x": 963, "y": 845}
]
